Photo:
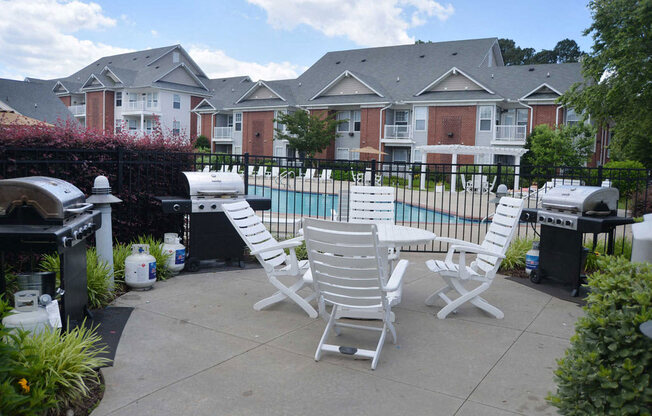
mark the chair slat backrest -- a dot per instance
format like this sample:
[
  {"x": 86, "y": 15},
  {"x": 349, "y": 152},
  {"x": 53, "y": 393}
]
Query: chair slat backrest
[
  {"x": 346, "y": 262},
  {"x": 254, "y": 233},
  {"x": 370, "y": 204},
  {"x": 499, "y": 235}
]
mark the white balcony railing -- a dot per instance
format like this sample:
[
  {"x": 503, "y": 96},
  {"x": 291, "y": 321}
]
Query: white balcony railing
[
  {"x": 398, "y": 131},
  {"x": 141, "y": 105},
  {"x": 78, "y": 110},
  {"x": 222, "y": 132},
  {"x": 510, "y": 133}
]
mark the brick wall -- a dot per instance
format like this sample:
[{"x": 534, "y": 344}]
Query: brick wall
[
  {"x": 546, "y": 114},
  {"x": 258, "y": 133},
  {"x": 460, "y": 121},
  {"x": 109, "y": 112},
  {"x": 94, "y": 110},
  {"x": 329, "y": 152},
  {"x": 369, "y": 130},
  {"x": 66, "y": 100},
  {"x": 194, "y": 102}
]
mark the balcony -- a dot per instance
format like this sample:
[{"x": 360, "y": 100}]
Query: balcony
[
  {"x": 397, "y": 134},
  {"x": 140, "y": 106},
  {"x": 78, "y": 110},
  {"x": 222, "y": 134},
  {"x": 514, "y": 135}
]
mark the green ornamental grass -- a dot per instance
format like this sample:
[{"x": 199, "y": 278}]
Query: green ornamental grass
[{"x": 156, "y": 250}]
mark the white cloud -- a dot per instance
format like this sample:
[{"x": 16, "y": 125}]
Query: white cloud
[
  {"x": 365, "y": 22},
  {"x": 153, "y": 32},
  {"x": 37, "y": 37},
  {"x": 218, "y": 64}
]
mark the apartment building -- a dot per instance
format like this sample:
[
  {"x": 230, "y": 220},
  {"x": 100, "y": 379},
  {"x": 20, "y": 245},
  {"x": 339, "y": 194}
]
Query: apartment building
[
  {"x": 401, "y": 97},
  {"x": 33, "y": 101},
  {"x": 137, "y": 91}
]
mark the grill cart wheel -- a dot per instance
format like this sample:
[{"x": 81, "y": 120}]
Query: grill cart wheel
[
  {"x": 192, "y": 264},
  {"x": 536, "y": 276}
]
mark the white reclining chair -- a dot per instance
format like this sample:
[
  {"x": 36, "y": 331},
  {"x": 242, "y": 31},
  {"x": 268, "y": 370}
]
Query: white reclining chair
[
  {"x": 271, "y": 255},
  {"x": 483, "y": 270},
  {"x": 349, "y": 271}
]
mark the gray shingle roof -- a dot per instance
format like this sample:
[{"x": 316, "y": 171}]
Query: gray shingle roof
[{"x": 35, "y": 100}]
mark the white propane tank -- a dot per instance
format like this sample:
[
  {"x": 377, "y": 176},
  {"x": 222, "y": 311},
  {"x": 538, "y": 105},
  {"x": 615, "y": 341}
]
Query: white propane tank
[
  {"x": 177, "y": 251},
  {"x": 532, "y": 258},
  {"x": 140, "y": 267},
  {"x": 35, "y": 321}
]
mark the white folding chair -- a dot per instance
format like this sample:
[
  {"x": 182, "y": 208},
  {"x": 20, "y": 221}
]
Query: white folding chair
[
  {"x": 349, "y": 272},
  {"x": 271, "y": 255},
  {"x": 483, "y": 270},
  {"x": 373, "y": 204}
]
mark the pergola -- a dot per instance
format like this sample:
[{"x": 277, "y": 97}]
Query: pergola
[{"x": 458, "y": 149}]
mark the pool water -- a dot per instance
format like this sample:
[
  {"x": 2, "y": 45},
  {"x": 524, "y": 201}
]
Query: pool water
[{"x": 320, "y": 205}]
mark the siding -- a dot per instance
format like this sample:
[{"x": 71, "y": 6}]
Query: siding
[
  {"x": 261, "y": 93},
  {"x": 455, "y": 83},
  {"x": 348, "y": 86},
  {"x": 180, "y": 76}
]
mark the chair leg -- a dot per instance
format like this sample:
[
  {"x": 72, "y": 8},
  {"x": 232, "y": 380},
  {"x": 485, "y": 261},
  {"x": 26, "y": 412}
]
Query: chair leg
[
  {"x": 487, "y": 307},
  {"x": 288, "y": 292},
  {"x": 379, "y": 347},
  {"x": 324, "y": 336},
  {"x": 465, "y": 296},
  {"x": 432, "y": 298}
]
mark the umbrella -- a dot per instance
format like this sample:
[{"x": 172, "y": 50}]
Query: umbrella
[{"x": 369, "y": 150}]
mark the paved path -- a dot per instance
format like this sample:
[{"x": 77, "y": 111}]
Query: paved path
[{"x": 195, "y": 346}]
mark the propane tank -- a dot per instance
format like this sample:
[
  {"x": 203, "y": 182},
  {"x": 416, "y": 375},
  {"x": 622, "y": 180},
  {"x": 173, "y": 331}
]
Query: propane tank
[
  {"x": 140, "y": 267},
  {"x": 177, "y": 251},
  {"x": 532, "y": 258}
]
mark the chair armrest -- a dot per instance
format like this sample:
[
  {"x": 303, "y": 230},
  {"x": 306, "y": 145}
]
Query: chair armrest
[
  {"x": 291, "y": 243},
  {"x": 396, "y": 278},
  {"x": 457, "y": 242},
  {"x": 476, "y": 250}
]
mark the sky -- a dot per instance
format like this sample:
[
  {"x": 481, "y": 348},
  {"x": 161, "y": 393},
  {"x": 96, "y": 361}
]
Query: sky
[{"x": 265, "y": 39}]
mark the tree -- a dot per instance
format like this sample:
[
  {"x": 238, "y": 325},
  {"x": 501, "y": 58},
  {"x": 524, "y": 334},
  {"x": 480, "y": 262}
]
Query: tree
[
  {"x": 564, "y": 51},
  {"x": 307, "y": 133},
  {"x": 618, "y": 74},
  {"x": 567, "y": 50},
  {"x": 512, "y": 54},
  {"x": 565, "y": 146}
]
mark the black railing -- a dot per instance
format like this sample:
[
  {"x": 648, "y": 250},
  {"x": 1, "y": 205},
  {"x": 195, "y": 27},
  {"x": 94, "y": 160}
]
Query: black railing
[{"x": 450, "y": 200}]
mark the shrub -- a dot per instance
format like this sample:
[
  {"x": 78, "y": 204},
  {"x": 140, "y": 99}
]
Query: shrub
[
  {"x": 642, "y": 202},
  {"x": 156, "y": 250},
  {"x": 622, "y": 248},
  {"x": 98, "y": 276},
  {"x": 515, "y": 256},
  {"x": 607, "y": 370},
  {"x": 202, "y": 141},
  {"x": 628, "y": 176}
]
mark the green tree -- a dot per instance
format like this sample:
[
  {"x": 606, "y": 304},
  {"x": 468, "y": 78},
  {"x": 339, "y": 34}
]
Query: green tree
[
  {"x": 544, "y": 56},
  {"x": 565, "y": 146},
  {"x": 567, "y": 50},
  {"x": 514, "y": 55},
  {"x": 618, "y": 73},
  {"x": 564, "y": 51},
  {"x": 307, "y": 133}
]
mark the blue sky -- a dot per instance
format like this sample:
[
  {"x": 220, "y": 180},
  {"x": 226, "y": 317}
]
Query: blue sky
[{"x": 267, "y": 39}]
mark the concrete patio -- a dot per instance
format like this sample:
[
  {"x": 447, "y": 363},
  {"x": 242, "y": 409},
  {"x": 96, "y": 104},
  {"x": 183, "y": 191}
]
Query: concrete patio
[{"x": 194, "y": 346}]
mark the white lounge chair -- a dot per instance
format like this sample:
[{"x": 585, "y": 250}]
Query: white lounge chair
[
  {"x": 483, "y": 270},
  {"x": 271, "y": 255},
  {"x": 326, "y": 175},
  {"x": 349, "y": 272},
  {"x": 250, "y": 170},
  {"x": 274, "y": 173},
  {"x": 310, "y": 174},
  {"x": 479, "y": 184}
]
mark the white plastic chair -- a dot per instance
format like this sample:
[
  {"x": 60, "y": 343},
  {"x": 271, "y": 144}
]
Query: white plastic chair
[
  {"x": 349, "y": 272},
  {"x": 326, "y": 175},
  {"x": 250, "y": 170},
  {"x": 274, "y": 173},
  {"x": 271, "y": 255},
  {"x": 309, "y": 174},
  {"x": 483, "y": 270},
  {"x": 373, "y": 204}
]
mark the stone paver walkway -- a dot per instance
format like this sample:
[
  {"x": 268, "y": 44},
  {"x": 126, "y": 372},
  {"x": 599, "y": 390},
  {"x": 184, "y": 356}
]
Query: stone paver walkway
[{"x": 195, "y": 346}]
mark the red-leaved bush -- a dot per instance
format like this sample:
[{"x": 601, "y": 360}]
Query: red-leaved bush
[{"x": 138, "y": 168}]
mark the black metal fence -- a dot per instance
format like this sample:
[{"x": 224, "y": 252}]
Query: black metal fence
[{"x": 449, "y": 200}]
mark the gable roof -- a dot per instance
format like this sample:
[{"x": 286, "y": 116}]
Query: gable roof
[
  {"x": 453, "y": 71},
  {"x": 187, "y": 71},
  {"x": 92, "y": 82},
  {"x": 256, "y": 86},
  {"x": 339, "y": 78},
  {"x": 545, "y": 88},
  {"x": 35, "y": 100}
]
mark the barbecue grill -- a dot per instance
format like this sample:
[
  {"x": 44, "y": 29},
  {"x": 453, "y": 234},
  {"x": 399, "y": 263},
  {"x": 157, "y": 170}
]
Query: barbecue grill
[
  {"x": 43, "y": 215},
  {"x": 567, "y": 213},
  {"x": 210, "y": 234}
]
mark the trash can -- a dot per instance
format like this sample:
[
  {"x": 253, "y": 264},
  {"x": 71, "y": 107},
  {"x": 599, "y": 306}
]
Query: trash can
[{"x": 642, "y": 241}]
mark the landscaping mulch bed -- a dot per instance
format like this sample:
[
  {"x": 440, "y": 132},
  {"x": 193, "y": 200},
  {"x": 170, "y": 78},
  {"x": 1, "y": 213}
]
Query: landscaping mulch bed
[{"x": 547, "y": 286}]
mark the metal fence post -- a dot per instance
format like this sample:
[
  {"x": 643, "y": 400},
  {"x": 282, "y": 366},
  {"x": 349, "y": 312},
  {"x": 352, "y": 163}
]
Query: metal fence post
[
  {"x": 599, "y": 176},
  {"x": 498, "y": 174},
  {"x": 120, "y": 170},
  {"x": 245, "y": 173},
  {"x": 373, "y": 172}
]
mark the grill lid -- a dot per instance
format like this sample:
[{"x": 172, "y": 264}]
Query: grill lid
[
  {"x": 212, "y": 184},
  {"x": 581, "y": 199},
  {"x": 52, "y": 198}
]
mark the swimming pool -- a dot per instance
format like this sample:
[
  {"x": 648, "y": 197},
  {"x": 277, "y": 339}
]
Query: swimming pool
[{"x": 314, "y": 204}]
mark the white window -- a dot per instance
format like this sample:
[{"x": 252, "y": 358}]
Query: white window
[
  {"x": 118, "y": 99},
  {"x": 342, "y": 153},
  {"x": 521, "y": 117},
  {"x": 277, "y": 123},
  {"x": 572, "y": 118},
  {"x": 118, "y": 125},
  {"x": 486, "y": 117},
  {"x": 417, "y": 156},
  {"x": 149, "y": 125},
  {"x": 176, "y": 128},
  {"x": 344, "y": 126},
  {"x": 238, "y": 121},
  {"x": 356, "y": 120},
  {"x": 175, "y": 57},
  {"x": 229, "y": 120},
  {"x": 420, "y": 117},
  {"x": 237, "y": 150},
  {"x": 152, "y": 99},
  {"x": 401, "y": 117},
  {"x": 176, "y": 101},
  {"x": 132, "y": 124},
  {"x": 279, "y": 151}
]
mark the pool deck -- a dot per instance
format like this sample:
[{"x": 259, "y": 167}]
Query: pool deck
[{"x": 195, "y": 346}]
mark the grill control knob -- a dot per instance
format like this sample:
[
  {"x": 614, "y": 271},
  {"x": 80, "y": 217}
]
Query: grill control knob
[
  {"x": 541, "y": 219},
  {"x": 558, "y": 221},
  {"x": 568, "y": 223},
  {"x": 213, "y": 206},
  {"x": 75, "y": 235},
  {"x": 67, "y": 241},
  {"x": 176, "y": 207},
  {"x": 201, "y": 206},
  {"x": 549, "y": 219}
]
